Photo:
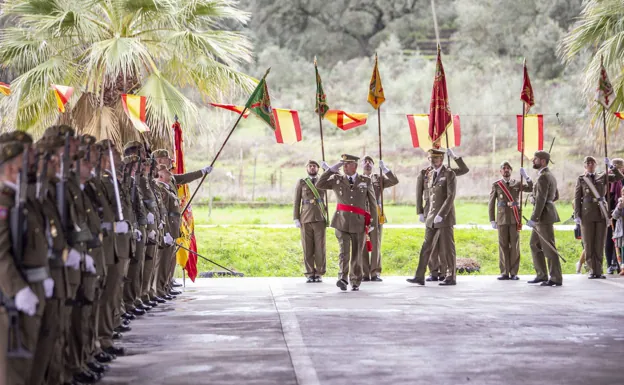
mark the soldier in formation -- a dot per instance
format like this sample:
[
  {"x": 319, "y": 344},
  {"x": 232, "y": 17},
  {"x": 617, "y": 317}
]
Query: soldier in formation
[{"x": 88, "y": 244}]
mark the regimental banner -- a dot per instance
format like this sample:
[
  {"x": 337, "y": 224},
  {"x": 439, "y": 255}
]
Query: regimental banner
[{"x": 346, "y": 120}]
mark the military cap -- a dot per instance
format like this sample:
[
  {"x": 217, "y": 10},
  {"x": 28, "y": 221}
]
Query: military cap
[
  {"x": 160, "y": 154},
  {"x": 16, "y": 136},
  {"x": 105, "y": 143},
  {"x": 313, "y": 162},
  {"x": 367, "y": 157},
  {"x": 436, "y": 153},
  {"x": 10, "y": 150},
  {"x": 130, "y": 159},
  {"x": 87, "y": 140},
  {"x": 55, "y": 135},
  {"x": 132, "y": 145},
  {"x": 589, "y": 159},
  {"x": 618, "y": 162},
  {"x": 346, "y": 158},
  {"x": 505, "y": 163},
  {"x": 542, "y": 155},
  {"x": 162, "y": 167}
]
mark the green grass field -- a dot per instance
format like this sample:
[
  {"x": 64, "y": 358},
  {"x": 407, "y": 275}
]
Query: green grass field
[{"x": 277, "y": 252}]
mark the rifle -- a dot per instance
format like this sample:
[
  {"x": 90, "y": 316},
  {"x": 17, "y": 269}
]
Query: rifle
[
  {"x": 60, "y": 187},
  {"x": 18, "y": 227}
]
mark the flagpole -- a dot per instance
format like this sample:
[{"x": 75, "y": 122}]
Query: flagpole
[
  {"x": 219, "y": 152},
  {"x": 448, "y": 157},
  {"x": 522, "y": 160},
  {"x": 381, "y": 174},
  {"x": 320, "y": 113},
  {"x": 604, "y": 130}
]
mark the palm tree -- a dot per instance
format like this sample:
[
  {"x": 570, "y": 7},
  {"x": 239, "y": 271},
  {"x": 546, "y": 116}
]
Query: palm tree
[
  {"x": 104, "y": 48},
  {"x": 599, "y": 31}
]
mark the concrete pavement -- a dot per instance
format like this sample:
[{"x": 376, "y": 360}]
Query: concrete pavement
[{"x": 284, "y": 331}]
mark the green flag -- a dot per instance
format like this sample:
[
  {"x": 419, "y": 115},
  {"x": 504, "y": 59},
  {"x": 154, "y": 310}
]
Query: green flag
[
  {"x": 321, "y": 106},
  {"x": 260, "y": 104}
]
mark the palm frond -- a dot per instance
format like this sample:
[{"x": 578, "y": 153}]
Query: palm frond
[
  {"x": 229, "y": 47},
  {"x": 200, "y": 13}
]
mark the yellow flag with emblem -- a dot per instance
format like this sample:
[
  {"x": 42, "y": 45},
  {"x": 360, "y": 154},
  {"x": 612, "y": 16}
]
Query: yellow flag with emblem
[{"x": 375, "y": 89}]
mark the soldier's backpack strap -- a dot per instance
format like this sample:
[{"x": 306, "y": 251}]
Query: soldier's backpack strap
[{"x": 318, "y": 198}]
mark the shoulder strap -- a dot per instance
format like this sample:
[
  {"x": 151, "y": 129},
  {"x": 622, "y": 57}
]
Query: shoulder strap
[
  {"x": 317, "y": 196},
  {"x": 601, "y": 200}
]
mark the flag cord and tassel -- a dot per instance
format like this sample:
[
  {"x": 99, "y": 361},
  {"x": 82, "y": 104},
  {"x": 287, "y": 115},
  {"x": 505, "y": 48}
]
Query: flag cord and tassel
[{"x": 223, "y": 145}]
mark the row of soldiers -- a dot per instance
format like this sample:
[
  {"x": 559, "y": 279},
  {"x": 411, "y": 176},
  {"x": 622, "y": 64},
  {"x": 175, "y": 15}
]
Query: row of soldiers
[{"x": 87, "y": 243}]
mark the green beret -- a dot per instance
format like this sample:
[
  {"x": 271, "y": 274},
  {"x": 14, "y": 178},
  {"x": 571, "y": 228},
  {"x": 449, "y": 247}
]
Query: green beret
[
  {"x": 589, "y": 159},
  {"x": 542, "y": 155},
  {"x": 16, "y": 136},
  {"x": 160, "y": 154},
  {"x": 313, "y": 162},
  {"x": 10, "y": 150},
  {"x": 367, "y": 157},
  {"x": 505, "y": 163},
  {"x": 436, "y": 153},
  {"x": 346, "y": 158}
]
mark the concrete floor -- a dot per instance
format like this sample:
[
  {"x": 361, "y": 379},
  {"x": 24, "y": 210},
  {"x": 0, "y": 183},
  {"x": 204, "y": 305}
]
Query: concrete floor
[{"x": 284, "y": 331}]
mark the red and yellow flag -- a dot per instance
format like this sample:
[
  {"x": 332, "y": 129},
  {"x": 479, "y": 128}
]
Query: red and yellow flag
[
  {"x": 526, "y": 95},
  {"x": 135, "y": 107},
  {"x": 604, "y": 93},
  {"x": 187, "y": 260},
  {"x": 619, "y": 115},
  {"x": 287, "y": 126},
  {"x": 375, "y": 89},
  {"x": 62, "y": 95},
  {"x": 346, "y": 120},
  {"x": 419, "y": 130},
  {"x": 533, "y": 134},
  {"x": 439, "y": 109},
  {"x": 233, "y": 108},
  {"x": 5, "y": 89}
]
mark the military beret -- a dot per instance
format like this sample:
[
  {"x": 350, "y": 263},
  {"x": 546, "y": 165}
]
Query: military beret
[
  {"x": 436, "y": 153},
  {"x": 313, "y": 162},
  {"x": 542, "y": 155},
  {"x": 160, "y": 154},
  {"x": 10, "y": 150},
  {"x": 367, "y": 157},
  {"x": 16, "y": 136},
  {"x": 589, "y": 159},
  {"x": 130, "y": 159},
  {"x": 132, "y": 145},
  {"x": 505, "y": 163},
  {"x": 618, "y": 162},
  {"x": 346, "y": 158}
]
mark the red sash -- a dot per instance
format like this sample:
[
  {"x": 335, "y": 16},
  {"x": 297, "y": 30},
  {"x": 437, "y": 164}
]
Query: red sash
[
  {"x": 511, "y": 200},
  {"x": 367, "y": 220}
]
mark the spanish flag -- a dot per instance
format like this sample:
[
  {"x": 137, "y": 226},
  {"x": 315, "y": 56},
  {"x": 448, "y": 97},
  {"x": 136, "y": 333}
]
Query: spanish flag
[
  {"x": 533, "y": 134},
  {"x": 346, "y": 120},
  {"x": 188, "y": 261},
  {"x": 419, "y": 130},
  {"x": 5, "y": 89},
  {"x": 135, "y": 108},
  {"x": 287, "y": 126},
  {"x": 233, "y": 108},
  {"x": 619, "y": 115},
  {"x": 62, "y": 95},
  {"x": 375, "y": 89}
]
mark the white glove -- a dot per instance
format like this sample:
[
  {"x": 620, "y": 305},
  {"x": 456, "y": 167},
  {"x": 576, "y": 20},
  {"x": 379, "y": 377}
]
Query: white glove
[
  {"x": 421, "y": 218},
  {"x": 438, "y": 219},
  {"x": 494, "y": 225},
  {"x": 138, "y": 235},
  {"x": 121, "y": 227},
  {"x": 48, "y": 287},
  {"x": 608, "y": 162},
  {"x": 207, "y": 170},
  {"x": 26, "y": 301},
  {"x": 524, "y": 174},
  {"x": 324, "y": 166},
  {"x": 384, "y": 169},
  {"x": 336, "y": 167},
  {"x": 73, "y": 259},
  {"x": 161, "y": 225},
  {"x": 89, "y": 264},
  {"x": 531, "y": 224},
  {"x": 168, "y": 239},
  {"x": 297, "y": 223},
  {"x": 150, "y": 218},
  {"x": 450, "y": 153},
  {"x": 152, "y": 234},
  {"x": 577, "y": 220},
  {"x": 371, "y": 228}
]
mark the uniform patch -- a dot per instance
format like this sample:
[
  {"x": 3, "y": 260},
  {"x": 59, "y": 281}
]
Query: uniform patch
[{"x": 4, "y": 213}]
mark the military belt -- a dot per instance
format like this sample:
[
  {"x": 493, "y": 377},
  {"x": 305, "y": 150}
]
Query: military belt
[
  {"x": 174, "y": 214},
  {"x": 36, "y": 274},
  {"x": 507, "y": 204},
  {"x": 592, "y": 199},
  {"x": 107, "y": 226},
  {"x": 309, "y": 201}
]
